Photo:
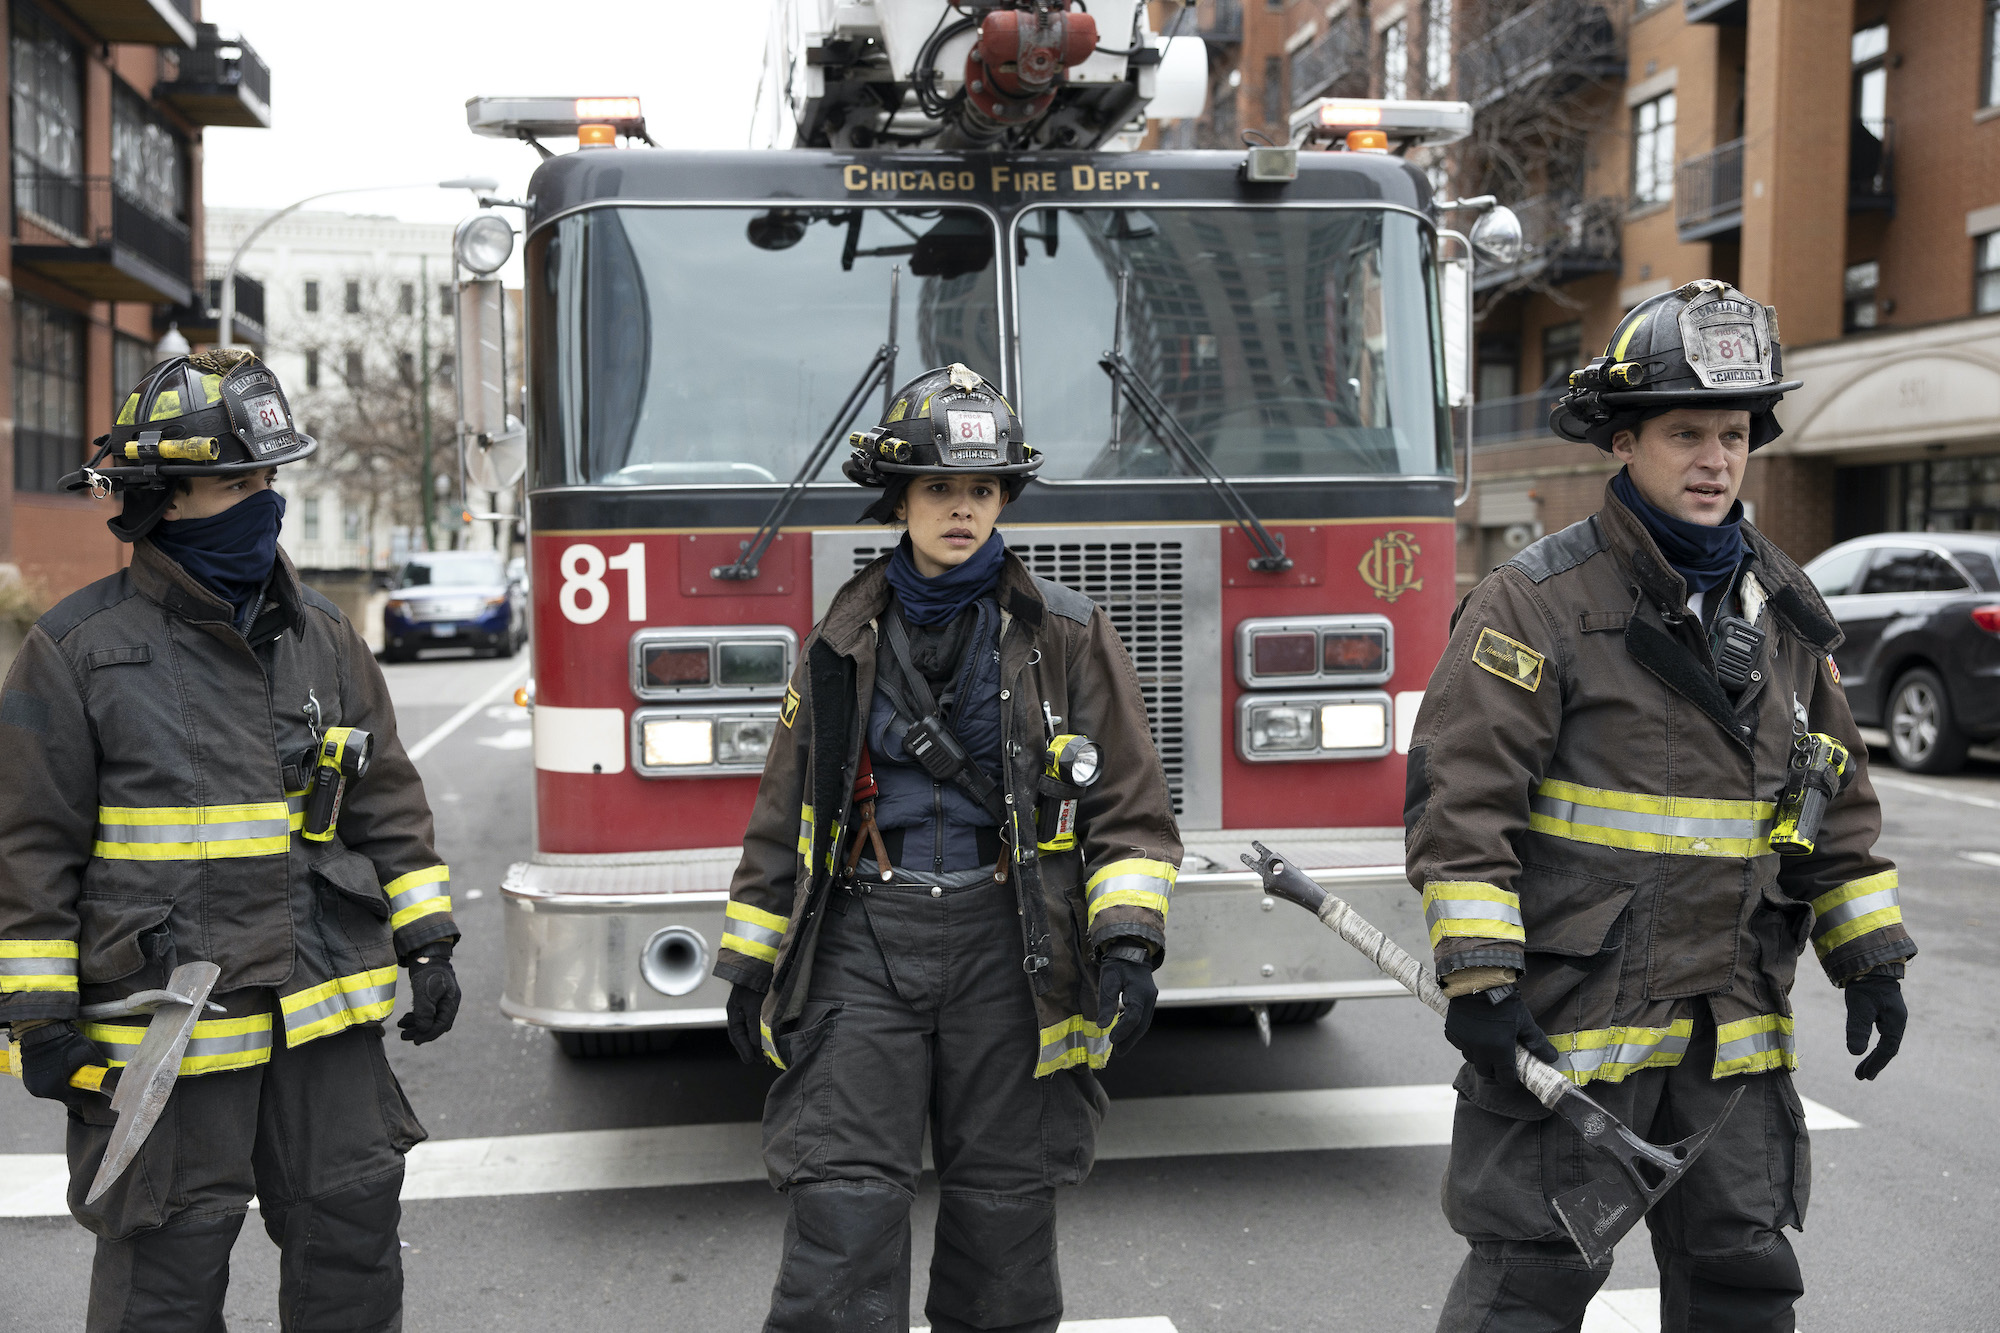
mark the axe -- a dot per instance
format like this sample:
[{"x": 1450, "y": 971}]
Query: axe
[{"x": 1596, "y": 1215}]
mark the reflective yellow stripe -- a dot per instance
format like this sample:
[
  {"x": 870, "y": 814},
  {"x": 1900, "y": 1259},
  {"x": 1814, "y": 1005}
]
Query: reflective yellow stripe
[
  {"x": 37, "y": 965},
  {"x": 407, "y": 904},
  {"x": 1636, "y": 821},
  {"x": 1472, "y": 909},
  {"x": 1855, "y": 908},
  {"x": 364, "y": 997},
  {"x": 216, "y": 1044},
  {"x": 805, "y": 830},
  {"x": 755, "y": 933},
  {"x": 1074, "y": 1041},
  {"x": 1753, "y": 1045},
  {"x": 1609, "y": 1054},
  {"x": 192, "y": 833},
  {"x": 1622, "y": 339},
  {"x": 1135, "y": 882},
  {"x": 770, "y": 1045}
]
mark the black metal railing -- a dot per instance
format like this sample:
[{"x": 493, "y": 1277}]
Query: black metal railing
[
  {"x": 1497, "y": 420},
  {"x": 249, "y": 296},
  {"x": 52, "y": 199},
  {"x": 162, "y": 241},
  {"x": 1871, "y": 162},
  {"x": 1708, "y": 191},
  {"x": 1563, "y": 237},
  {"x": 1568, "y": 41},
  {"x": 1221, "y": 20},
  {"x": 1336, "y": 65},
  {"x": 220, "y": 60}
]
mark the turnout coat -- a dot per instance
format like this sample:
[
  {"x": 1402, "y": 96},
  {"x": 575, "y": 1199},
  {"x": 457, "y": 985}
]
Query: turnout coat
[
  {"x": 1113, "y": 876},
  {"x": 1586, "y": 803},
  {"x": 157, "y": 766}
]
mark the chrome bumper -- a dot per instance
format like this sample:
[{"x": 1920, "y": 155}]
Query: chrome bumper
[{"x": 596, "y": 960}]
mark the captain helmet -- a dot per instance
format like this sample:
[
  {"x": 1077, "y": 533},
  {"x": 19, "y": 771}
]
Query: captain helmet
[{"x": 945, "y": 420}]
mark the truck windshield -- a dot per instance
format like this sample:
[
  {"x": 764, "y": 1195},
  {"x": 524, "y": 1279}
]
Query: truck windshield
[
  {"x": 1289, "y": 342},
  {"x": 714, "y": 345}
]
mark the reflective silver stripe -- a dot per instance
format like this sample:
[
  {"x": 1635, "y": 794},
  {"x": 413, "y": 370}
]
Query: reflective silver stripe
[
  {"x": 239, "y": 831},
  {"x": 1757, "y": 1043},
  {"x": 1471, "y": 909},
  {"x": 1633, "y": 821},
  {"x": 417, "y": 893},
  {"x": 1839, "y": 916},
  {"x": 1157, "y": 884},
  {"x": 756, "y": 934},
  {"x": 1629, "y": 1053},
  {"x": 1072, "y": 1040},
  {"x": 37, "y": 967},
  {"x": 339, "y": 1001}
]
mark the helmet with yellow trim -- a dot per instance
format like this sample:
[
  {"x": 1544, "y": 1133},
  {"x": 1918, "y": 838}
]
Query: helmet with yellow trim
[
  {"x": 945, "y": 420},
  {"x": 1705, "y": 344}
]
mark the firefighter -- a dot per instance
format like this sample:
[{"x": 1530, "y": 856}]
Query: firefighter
[
  {"x": 1613, "y": 788},
  {"x": 961, "y": 941},
  {"x": 162, "y": 728}
]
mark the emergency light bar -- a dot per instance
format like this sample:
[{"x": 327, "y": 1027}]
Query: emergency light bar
[
  {"x": 1425, "y": 123},
  {"x": 531, "y": 117}
]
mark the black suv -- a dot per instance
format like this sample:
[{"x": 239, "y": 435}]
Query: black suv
[{"x": 1922, "y": 655}]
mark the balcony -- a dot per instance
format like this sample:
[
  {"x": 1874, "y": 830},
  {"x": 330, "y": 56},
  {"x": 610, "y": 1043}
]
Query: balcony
[
  {"x": 1221, "y": 21},
  {"x": 1334, "y": 66},
  {"x": 1871, "y": 161},
  {"x": 146, "y": 22},
  {"x": 1563, "y": 238},
  {"x": 222, "y": 81},
  {"x": 1723, "y": 13},
  {"x": 201, "y": 321},
  {"x": 1551, "y": 48},
  {"x": 95, "y": 239},
  {"x": 1708, "y": 193},
  {"x": 1525, "y": 416}
]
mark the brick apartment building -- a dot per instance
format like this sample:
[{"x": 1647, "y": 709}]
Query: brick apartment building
[
  {"x": 1839, "y": 159},
  {"x": 109, "y": 99}
]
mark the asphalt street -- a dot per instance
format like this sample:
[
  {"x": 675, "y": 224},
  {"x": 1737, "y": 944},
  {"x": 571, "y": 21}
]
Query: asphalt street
[{"x": 1282, "y": 1236}]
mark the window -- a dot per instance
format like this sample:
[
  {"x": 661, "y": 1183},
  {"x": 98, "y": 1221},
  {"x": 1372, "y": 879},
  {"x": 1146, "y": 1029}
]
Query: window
[
  {"x": 1396, "y": 60},
  {"x": 148, "y": 160},
  {"x": 312, "y": 367},
  {"x": 1870, "y": 50},
  {"x": 1834, "y": 574},
  {"x": 309, "y": 517},
  {"x": 1437, "y": 45},
  {"x": 1499, "y": 367},
  {"x": 312, "y": 297},
  {"x": 350, "y": 524},
  {"x": 1986, "y": 273},
  {"x": 444, "y": 298},
  {"x": 48, "y": 394},
  {"x": 1653, "y": 150},
  {"x": 406, "y": 366},
  {"x": 352, "y": 303},
  {"x": 1902, "y": 570},
  {"x": 406, "y": 299},
  {"x": 131, "y": 358},
  {"x": 1562, "y": 352},
  {"x": 1859, "y": 310},
  {"x": 47, "y": 77},
  {"x": 1274, "y": 90},
  {"x": 354, "y": 370},
  {"x": 445, "y": 367},
  {"x": 1989, "y": 93}
]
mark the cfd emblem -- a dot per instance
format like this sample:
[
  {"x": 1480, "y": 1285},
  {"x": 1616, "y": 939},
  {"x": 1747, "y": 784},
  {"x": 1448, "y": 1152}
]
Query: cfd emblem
[{"x": 1390, "y": 567}]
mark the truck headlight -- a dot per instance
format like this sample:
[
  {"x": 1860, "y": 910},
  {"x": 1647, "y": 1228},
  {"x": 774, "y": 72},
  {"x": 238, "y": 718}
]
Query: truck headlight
[
  {"x": 702, "y": 742},
  {"x": 702, "y": 662},
  {"x": 677, "y": 742},
  {"x": 744, "y": 740},
  {"x": 1350, "y": 725}
]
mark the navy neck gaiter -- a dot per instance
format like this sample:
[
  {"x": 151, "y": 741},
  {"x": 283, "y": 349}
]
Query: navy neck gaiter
[
  {"x": 935, "y": 601},
  {"x": 230, "y": 553},
  {"x": 1703, "y": 556}
]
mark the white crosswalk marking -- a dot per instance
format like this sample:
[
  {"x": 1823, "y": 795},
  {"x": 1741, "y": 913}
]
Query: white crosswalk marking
[
  {"x": 1635, "y": 1310},
  {"x": 32, "y": 1184},
  {"x": 1152, "y": 1323}
]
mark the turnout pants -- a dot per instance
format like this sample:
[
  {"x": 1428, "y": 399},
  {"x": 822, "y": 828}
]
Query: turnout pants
[
  {"x": 1725, "y": 1267},
  {"x": 918, "y": 1012},
  {"x": 317, "y": 1135}
]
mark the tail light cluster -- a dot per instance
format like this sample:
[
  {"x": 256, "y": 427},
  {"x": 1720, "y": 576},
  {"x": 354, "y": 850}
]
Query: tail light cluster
[
  {"x": 1987, "y": 618},
  {"x": 702, "y": 687},
  {"x": 1299, "y": 676}
]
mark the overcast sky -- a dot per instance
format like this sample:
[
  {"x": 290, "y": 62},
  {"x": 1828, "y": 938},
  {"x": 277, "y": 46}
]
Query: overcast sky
[{"x": 372, "y": 92}]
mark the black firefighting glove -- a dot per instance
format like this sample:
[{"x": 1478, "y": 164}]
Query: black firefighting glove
[
  {"x": 745, "y": 1008},
  {"x": 49, "y": 1054},
  {"x": 434, "y": 993},
  {"x": 1875, "y": 1002},
  {"x": 1126, "y": 971},
  {"x": 1487, "y": 1025}
]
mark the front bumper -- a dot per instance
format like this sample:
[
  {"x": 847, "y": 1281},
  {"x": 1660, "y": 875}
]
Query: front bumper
[{"x": 589, "y": 938}]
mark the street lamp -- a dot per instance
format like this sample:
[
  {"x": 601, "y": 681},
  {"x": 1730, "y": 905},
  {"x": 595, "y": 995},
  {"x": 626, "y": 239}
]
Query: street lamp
[{"x": 224, "y": 334}]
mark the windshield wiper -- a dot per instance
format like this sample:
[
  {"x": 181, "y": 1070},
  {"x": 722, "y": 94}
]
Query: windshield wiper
[
  {"x": 881, "y": 369},
  {"x": 1128, "y": 384}
]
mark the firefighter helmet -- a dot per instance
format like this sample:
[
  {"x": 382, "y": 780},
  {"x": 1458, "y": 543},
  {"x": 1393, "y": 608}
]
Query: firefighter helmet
[
  {"x": 945, "y": 420},
  {"x": 1702, "y": 345},
  {"x": 211, "y": 414}
]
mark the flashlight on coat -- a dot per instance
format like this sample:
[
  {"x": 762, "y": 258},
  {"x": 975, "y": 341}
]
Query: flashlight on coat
[
  {"x": 1818, "y": 772},
  {"x": 1074, "y": 761},
  {"x": 343, "y": 754}
]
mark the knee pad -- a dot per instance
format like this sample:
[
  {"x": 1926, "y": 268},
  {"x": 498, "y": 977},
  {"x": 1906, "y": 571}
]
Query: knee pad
[
  {"x": 846, "y": 1264},
  {"x": 170, "y": 1279},
  {"x": 995, "y": 1261},
  {"x": 340, "y": 1264},
  {"x": 1752, "y": 1293}
]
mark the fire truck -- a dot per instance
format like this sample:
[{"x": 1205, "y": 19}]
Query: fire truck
[{"x": 1244, "y": 367}]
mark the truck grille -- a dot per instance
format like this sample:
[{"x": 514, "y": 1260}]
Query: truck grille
[{"x": 1160, "y": 587}]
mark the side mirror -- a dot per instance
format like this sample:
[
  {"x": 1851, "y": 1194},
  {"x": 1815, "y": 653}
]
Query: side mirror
[
  {"x": 492, "y": 444},
  {"x": 1498, "y": 235},
  {"x": 1455, "y": 306}
]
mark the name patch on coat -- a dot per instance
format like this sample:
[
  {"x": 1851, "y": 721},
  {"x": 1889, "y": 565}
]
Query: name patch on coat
[
  {"x": 790, "y": 709},
  {"x": 1512, "y": 661}
]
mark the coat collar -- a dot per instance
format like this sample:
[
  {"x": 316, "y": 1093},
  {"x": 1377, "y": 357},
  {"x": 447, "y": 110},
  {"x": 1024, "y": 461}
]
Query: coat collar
[
  {"x": 160, "y": 578},
  {"x": 863, "y": 599}
]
